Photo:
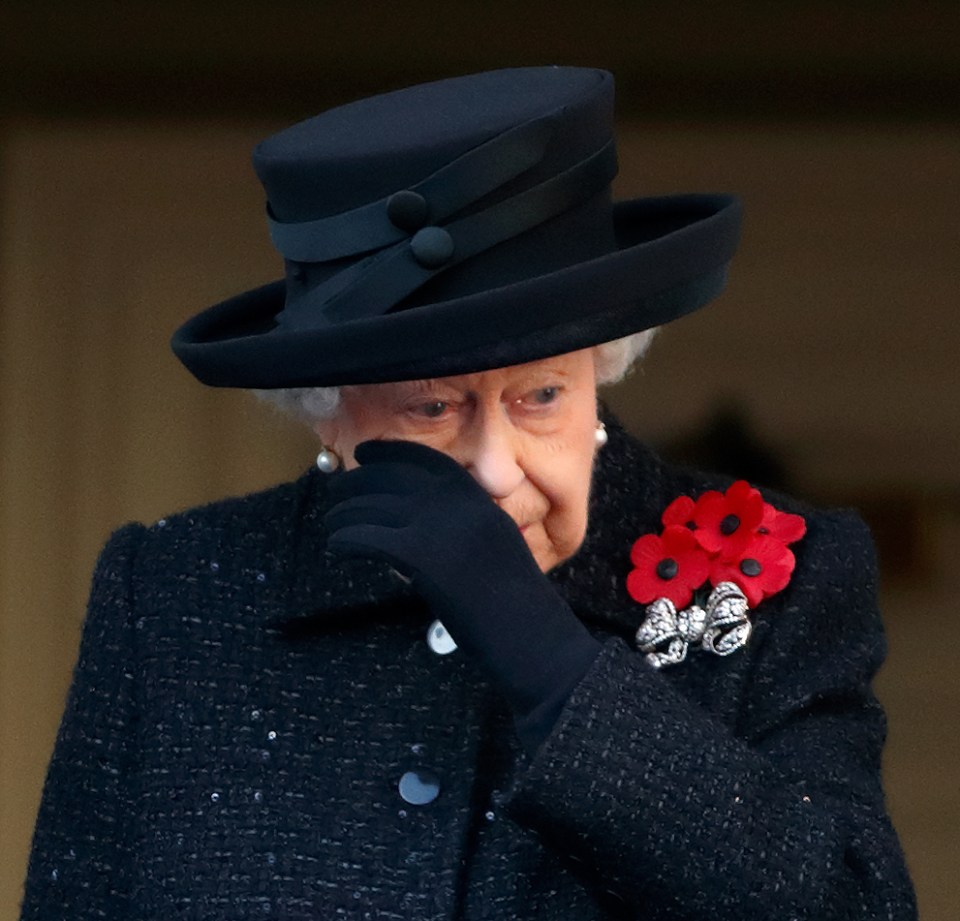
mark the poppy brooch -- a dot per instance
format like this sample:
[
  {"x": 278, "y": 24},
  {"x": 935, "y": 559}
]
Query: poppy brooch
[{"x": 716, "y": 558}]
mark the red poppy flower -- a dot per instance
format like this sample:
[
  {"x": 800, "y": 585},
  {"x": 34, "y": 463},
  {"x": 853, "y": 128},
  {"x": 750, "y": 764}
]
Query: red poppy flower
[
  {"x": 679, "y": 512},
  {"x": 782, "y": 525},
  {"x": 671, "y": 566},
  {"x": 727, "y": 522},
  {"x": 761, "y": 570}
]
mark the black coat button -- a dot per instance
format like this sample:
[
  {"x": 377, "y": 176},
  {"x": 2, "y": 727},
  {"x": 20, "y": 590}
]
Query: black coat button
[{"x": 419, "y": 787}]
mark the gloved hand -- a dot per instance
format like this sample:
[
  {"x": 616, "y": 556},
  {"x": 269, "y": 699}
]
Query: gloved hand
[{"x": 424, "y": 514}]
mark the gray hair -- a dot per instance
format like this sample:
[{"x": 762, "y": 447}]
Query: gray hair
[{"x": 612, "y": 361}]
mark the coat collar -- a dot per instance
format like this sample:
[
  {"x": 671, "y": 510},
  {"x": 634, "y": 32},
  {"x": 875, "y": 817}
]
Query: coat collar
[{"x": 627, "y": 497}]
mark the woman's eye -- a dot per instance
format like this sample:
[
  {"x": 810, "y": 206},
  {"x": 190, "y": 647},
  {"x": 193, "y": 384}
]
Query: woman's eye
[
  {"x": 544, "y": 395},
  {"x": 434, "y": 409}
]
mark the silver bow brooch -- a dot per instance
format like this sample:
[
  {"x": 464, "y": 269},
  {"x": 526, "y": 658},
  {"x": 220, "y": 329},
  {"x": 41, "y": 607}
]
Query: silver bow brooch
[{"x": 720, "y": 627}]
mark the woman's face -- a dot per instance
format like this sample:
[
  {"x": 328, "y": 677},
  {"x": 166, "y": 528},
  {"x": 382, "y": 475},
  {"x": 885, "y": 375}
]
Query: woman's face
[{"x": 526, "y": 433}]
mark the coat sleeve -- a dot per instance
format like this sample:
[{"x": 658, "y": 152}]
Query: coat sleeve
[
  {"x": 679, "y": 816},
  {"x": 79, "y": 866}
]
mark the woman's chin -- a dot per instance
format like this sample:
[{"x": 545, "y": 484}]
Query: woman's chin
[
  {"x": 546, "y": 554},
  {"x": 539, "y": 546}
]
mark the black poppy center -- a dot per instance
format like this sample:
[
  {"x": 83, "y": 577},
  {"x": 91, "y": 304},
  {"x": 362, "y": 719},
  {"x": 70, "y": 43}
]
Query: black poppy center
[
  {"x": 667, "y": 568},
  {"x": 729, "y": 525},
  {"x": 750, "y": 567}
]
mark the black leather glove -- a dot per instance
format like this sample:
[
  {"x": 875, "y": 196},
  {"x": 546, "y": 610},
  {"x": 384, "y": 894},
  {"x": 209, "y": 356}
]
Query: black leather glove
[{"x": 422, "y": 512}]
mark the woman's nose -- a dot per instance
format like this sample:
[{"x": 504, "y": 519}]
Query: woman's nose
[{"x": 494, "y": 459}]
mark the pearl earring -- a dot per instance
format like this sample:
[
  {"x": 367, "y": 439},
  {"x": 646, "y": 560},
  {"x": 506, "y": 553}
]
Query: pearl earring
[
  {"x": 328, "y": 460},
  {"x": 600, "y": 435}
]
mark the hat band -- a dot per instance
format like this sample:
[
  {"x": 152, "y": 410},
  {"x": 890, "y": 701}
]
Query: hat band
[
  {"x": 461, "y": 182},
  {"x": 375, "y": 284}
]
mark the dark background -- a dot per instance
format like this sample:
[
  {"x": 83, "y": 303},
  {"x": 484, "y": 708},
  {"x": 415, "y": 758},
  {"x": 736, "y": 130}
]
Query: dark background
[{"x": 693, "y": 60}]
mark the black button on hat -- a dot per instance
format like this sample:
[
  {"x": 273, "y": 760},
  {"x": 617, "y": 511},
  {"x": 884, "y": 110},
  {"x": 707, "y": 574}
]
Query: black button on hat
[
  {"x": 432, "y": 247},
  {"x": 407, "y": 210}
]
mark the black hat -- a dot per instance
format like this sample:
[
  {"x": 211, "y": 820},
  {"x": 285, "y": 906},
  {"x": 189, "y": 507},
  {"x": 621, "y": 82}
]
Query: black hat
[{"x": 454, "y": 227}]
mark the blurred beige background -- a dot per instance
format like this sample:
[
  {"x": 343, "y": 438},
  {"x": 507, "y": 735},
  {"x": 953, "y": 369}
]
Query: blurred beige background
[{"x": 127, "y": 203}]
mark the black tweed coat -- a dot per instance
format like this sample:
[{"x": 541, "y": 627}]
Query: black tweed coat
[{"x": 244, "y": 706}]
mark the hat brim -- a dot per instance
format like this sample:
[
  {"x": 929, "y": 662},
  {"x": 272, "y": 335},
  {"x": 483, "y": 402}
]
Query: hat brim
[{"x": 672, "y": 259}]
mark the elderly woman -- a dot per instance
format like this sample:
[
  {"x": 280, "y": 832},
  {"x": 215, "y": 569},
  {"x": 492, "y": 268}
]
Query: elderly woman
[{"x": 490, "y": 658}]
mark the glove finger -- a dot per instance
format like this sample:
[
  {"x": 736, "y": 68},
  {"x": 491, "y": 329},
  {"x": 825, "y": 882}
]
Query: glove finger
[
  {"x": 415, "y": 456},
  {"x": 385, "y": 478},
  {"x": 370, "y": 540},
  {"x": 407, "y": 452},
  {"x": 383, "y": 510}
]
